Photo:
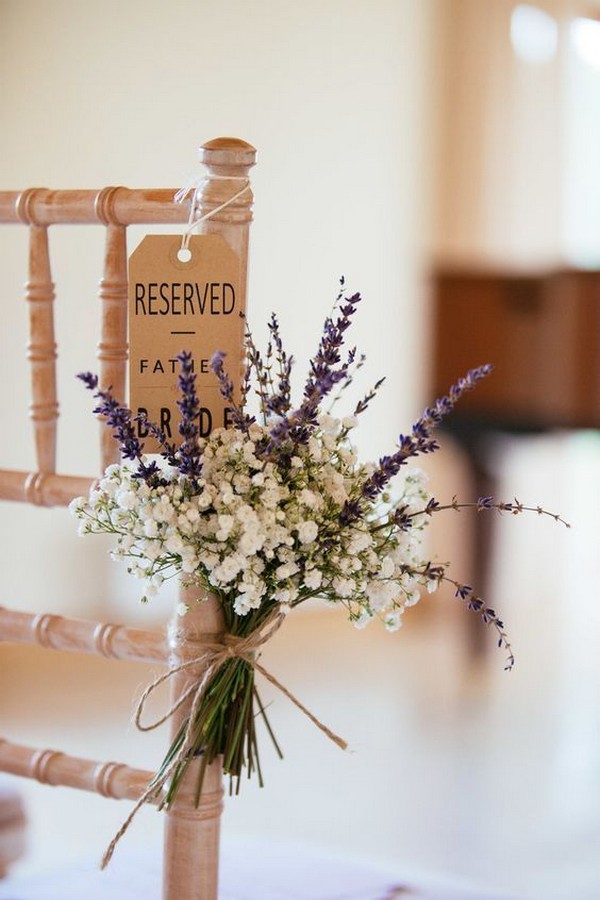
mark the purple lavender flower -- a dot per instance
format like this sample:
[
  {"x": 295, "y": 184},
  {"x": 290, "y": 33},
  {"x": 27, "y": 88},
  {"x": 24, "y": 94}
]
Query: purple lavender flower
[
  {"x": 280, "y": 403},
  {"x": 255, "y": 362},
  {"x": 120, "y": 418},
  {"x": 488, "y": 615},
  {"x": 89, "y": 379},
  {"x": 363, "y": 404},
  {"x": 188, "y": 456},
  {"x": 169, "y": 450},
  {"x": 327, "y": 371},
  {"x": 226, "y": 388},
  {"x": 419, "y": 441}
]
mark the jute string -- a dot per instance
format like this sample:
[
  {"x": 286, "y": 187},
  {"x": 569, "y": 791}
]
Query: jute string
[{"x": 215, "y": 653}]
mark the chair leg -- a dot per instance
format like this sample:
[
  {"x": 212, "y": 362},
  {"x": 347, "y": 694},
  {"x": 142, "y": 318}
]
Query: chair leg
[{"x": 191, "y": 857}]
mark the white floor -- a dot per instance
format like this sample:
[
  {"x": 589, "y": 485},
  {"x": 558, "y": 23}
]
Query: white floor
[{"x": 454, "y": 768}]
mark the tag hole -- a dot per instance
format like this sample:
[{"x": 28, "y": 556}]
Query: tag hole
[{"x": 184, "y": 254}]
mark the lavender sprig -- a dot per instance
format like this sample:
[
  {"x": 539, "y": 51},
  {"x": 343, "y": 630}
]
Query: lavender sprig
[
  {"x": 226, "y": 389},
  {"x": 437, "y": 574},
  {"x": 169, "y": 450},
  {"x": 418, "y": 442},
  {"x": 363, "y": 404},
  {"x": 255, "y": 362},
  {"x": 247, "y": 379},
  {"x": 121, "y": 419},
  {"x": 189, "y": 407},
  {"x": 325, "y": 374},
  {"x": 516, "y": 507},
  {"x": 280, "y": 402},
  {"x": 489, "y": 616},
  {"x": 443, "y": 406}
]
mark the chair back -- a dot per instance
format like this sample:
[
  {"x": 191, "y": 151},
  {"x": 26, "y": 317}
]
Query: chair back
[{"x": 192, "y": 829}]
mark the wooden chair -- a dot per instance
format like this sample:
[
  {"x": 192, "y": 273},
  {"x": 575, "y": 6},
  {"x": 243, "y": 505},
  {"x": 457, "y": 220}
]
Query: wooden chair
[{"x": 191, "y": 832}]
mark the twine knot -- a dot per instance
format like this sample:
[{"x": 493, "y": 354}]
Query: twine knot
[
  {"x": 194, "y": 187},
  {"x": 216, "y": 651}
]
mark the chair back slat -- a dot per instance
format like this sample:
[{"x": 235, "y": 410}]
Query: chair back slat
[
  {"x": 42, "y": 488},
  {"x": 41, "y": 349},
  {"x": 112, "y": 346},
  {"x": 83, "y": 636},
  {"x": 53, "y": 767},
  {"x": 132, "y": 206}
]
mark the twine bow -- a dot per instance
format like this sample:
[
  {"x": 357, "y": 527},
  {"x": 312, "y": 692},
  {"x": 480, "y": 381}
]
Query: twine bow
[{"x": 215, "y": 653}]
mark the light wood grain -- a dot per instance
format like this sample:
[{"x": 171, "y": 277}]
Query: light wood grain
[
  {"x": 55, "y": 768},
  {"x": 191, "y": 854},
  {"x": 112, "y": 346},
  {"x": 83, "y": 636},
  {"x": 143, "y": 206},
  {"x": 42, "y": 488},
  {"x": 226, "y": 158},
  {"x": 41, "y": 349}
]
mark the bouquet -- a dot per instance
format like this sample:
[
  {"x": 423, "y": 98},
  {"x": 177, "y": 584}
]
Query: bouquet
[{"x": 269, "y": 513}]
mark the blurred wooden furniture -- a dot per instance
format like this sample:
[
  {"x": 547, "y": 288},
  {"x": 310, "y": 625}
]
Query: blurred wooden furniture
[
  {"x": 190, "y": 868},
  {"x": 12, "y": 826},
  {"x": 541, "y": 331}
]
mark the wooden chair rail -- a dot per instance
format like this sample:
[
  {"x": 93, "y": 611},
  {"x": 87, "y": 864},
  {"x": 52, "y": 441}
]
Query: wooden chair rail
[
  {"x": 42, "y": 488},
  {"x": 83, "y": 636},
  {"x": 115, "y": 205},
  {"x": 109, "y": 779}
]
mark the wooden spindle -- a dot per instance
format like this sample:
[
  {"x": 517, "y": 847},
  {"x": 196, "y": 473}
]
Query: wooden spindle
[
  {"x": 192, "y": 835},
  {"x": 228, "y": 162},
  {"x": 191, "y": 855},
  {"x": 137, "y": 206},
  {"x": 41, "y": 349},
  {"x": 55, "y": 768},
  {"x": 83, "y": 636},
  {"x": 112, "y": 347},
  {"x": 42, "y": 489}
]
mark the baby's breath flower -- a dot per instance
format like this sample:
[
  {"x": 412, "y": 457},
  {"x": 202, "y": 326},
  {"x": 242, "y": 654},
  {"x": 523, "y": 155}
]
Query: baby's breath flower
[
  {"x": 313, "y": 579},
  {"x": 307, "y": 531}
]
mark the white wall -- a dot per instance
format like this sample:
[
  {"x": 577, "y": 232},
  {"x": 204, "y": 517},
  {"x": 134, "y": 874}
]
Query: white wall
[
  {"x": 500, "y": 152},
  {"x": 335, "y": 96}
]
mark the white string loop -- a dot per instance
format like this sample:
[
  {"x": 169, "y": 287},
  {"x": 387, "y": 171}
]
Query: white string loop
[{"x": 196, "y": 186}]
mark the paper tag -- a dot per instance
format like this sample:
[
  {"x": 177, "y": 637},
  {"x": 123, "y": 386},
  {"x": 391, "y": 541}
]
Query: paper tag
[{"x": 175, "y": 306}]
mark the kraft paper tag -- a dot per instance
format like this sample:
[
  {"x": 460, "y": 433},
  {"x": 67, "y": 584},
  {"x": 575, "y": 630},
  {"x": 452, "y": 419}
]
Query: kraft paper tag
[{"x": 174, "y": 306}]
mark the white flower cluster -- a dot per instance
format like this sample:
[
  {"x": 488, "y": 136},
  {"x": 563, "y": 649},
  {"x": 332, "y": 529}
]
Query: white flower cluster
[{"x": 256, "y": 530}]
